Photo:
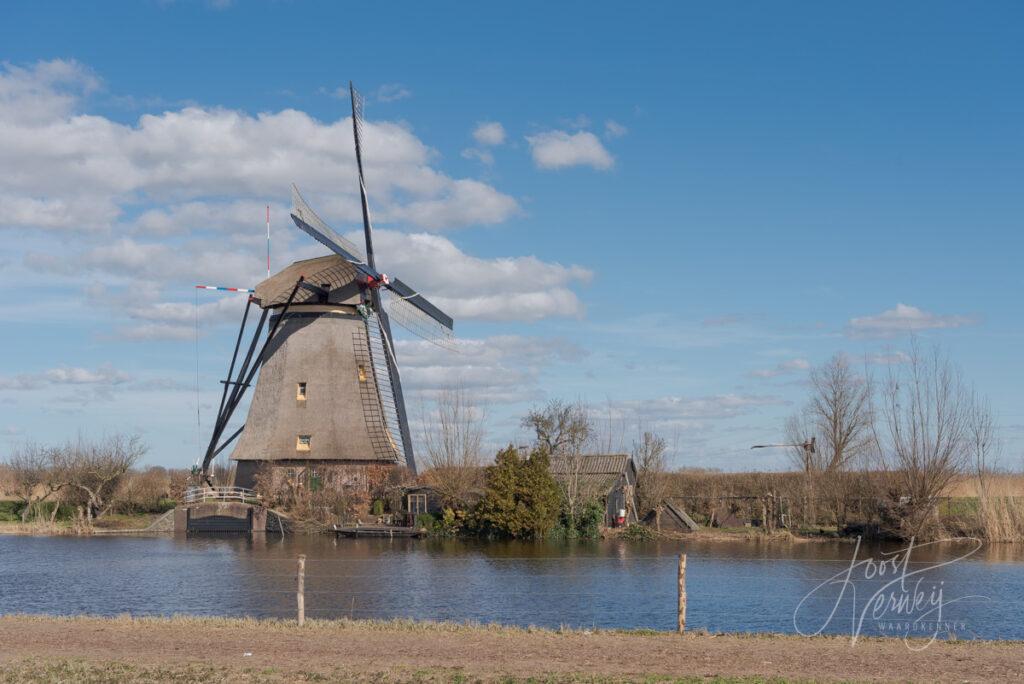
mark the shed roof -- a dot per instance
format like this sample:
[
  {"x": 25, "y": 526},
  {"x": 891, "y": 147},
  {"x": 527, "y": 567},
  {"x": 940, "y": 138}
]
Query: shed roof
[
  {"x": 597, "y": 472},
  {"x": 593, "y": 464}
]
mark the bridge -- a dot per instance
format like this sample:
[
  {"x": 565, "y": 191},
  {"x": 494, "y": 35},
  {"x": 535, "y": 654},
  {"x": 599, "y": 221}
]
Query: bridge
[{"x": 226, "y": 509}]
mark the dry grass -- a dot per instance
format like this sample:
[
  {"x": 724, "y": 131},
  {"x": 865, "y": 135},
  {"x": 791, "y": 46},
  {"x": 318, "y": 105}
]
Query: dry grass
[
  {"x": 1002, "y": 484},
  {"x": 199, "y": 649},
  {"x": 35, "y": 528},
  {"x": 33, "y": 671}
]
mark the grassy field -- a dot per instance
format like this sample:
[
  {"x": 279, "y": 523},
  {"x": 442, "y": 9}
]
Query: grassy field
[{"x": 84, "y": 649}]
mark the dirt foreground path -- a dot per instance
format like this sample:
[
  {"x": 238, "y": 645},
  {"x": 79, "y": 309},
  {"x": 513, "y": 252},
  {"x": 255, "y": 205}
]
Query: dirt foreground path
[{"x": 198, "y": 649}]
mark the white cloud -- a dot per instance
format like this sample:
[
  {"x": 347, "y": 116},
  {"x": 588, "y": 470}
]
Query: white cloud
[
  {"x": 462, "y": 202},
  {"x": 613, "y": 129},
  {"x": 580, "y": 122},
  {"x": 482, "y": 156},
  {"x": 783, "y": 368},
  {"x": 888, "y": 358},
  {"x": 78, "y": 171},
  {"x": 505, "y": 288},
  {"x": 559, "y": 149},
  {"x": 489, "y": 133},
  {"x": 392, "y": 92},
  {"x": 231, "y": 217},
  {"x": 105, "y": 375},
  {"x": 903, "y": 320},
  {"x": 178, "y": 320},
  {"x": 499, "y": 369},
  {"x": 715, "y": 407},
  {"x": 146, "y": 210},
  {"x": 466, "y": 287},
  {"x": 691, "y": 416},
  {"x": 43, "y": 91}
]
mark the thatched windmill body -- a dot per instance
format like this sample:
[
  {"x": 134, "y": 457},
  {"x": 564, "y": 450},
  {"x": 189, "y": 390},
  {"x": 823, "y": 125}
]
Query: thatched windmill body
[{"x": 329, "y": 388}]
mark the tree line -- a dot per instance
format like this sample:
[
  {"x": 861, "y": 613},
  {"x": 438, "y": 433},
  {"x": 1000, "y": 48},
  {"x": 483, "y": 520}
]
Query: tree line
[
  {"x": 882, "y": 456},
  {"x": 87, "y": 480}
]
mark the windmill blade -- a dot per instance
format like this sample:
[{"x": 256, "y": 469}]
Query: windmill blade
[
  {"x": 389, "y": 438},
  {"x": 308, "y": 221},
  {"x": 410, "y": 316},
  {"x": 410, "y": 295},
  {"x": 357, "y": 136},
  {"x": 357, "y": 121}
]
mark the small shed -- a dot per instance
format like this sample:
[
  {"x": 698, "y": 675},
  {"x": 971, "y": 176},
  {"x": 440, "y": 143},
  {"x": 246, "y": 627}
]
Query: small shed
[
  {"x": 609, "y": 478},
  {"x": 417, "y": 499},
  {"x": 673, "y": 518}
]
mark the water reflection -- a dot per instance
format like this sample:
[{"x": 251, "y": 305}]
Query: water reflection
[{"x": 732, "y": 586}]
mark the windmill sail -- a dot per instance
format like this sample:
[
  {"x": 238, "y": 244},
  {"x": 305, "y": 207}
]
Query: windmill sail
[
  {"x": 322, "y": 232},
  {"x": 379, "y": 347},
  {"x": 407, "y": 314},
  {"x": 406, "y": 306}
]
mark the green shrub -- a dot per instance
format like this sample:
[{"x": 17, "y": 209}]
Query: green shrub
[
  {"x": 378, "y": 507},
  {"x": 451, "y": 523},
  {"x": 521, "y": 499},
  {"x": 589, "y": 522},
  {"x": 10, "y": 511},
  {"x": 635, "y": 532},
  {"x": 425, "y": 521}
]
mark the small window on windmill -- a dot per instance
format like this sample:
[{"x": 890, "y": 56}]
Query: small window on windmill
[
  {"x": 302, "y": 443},
  {"x": 362, "y": 373},
  {"x": 300, "y": 391}
]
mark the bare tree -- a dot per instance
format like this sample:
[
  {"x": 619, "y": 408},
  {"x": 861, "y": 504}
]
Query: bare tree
[
  {"x": 841, "y": 412},
  {"x": 563, "y": 431},
  {"x": 454, "y": 434},
  {"x": 608, "y": 430},
  {"x": 1001, "y": 517},
  {"x": 650, "y": 455},
  {"x": 839, "y": 418},
  {"x": 839, "y": 415},
  {"x": 94, "y": 470},
  {"x": 927, "y": 410},
  {"x": 31, "y": 474}
]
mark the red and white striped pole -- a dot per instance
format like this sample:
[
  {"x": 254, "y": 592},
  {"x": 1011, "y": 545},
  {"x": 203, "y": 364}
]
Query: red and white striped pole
[{"x": 225, "y": 289}]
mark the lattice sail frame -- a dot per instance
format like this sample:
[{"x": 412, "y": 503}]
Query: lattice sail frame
[
  {"x": 379, "y": 347},
  {"x": 357, "y": 110},
  {"x": 415, "y": 321},
  {"x": 302, "y": 209}
]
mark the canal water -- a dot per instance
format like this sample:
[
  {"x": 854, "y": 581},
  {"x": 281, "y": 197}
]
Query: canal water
[{"x": 747, "y": 586}]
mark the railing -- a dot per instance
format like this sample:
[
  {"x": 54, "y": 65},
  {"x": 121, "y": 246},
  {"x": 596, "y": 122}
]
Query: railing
[{"x": 195, "y": 495}]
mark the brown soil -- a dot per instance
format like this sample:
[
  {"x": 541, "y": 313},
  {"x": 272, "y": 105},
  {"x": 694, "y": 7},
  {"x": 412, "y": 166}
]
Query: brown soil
[{"x": 386, "y": 651}]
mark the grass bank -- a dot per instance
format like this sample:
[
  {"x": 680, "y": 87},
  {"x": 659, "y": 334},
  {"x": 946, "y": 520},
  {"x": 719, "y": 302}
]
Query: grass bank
[
  {"x": 187, "y": 649},
  {"x": 108, "y": 523}
]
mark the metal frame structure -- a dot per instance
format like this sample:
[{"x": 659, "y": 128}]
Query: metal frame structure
[{"x": 246, "y": 372}]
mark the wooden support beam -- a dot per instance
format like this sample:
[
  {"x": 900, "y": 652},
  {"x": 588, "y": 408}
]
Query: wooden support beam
[
  {"x": 300, "y": 594},
  {"x": 682, "y": 593}
]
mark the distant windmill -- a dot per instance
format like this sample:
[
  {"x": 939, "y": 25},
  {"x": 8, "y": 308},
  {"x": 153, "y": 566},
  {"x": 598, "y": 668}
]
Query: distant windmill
[
  {"x": 809, "y": 447},
  {"x": 329, "y": 391}
]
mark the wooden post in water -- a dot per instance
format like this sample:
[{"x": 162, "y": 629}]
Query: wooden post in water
[
  {"x": 682, "y": 593},
  {"x": 300, "y": 595}
]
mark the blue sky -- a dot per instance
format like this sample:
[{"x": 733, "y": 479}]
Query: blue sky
[{"x": 681, "y": 208}]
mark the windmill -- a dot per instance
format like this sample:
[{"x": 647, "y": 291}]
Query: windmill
[
  {"x": 330, "y": 390},
  {"x": 809, "y": 448}
]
